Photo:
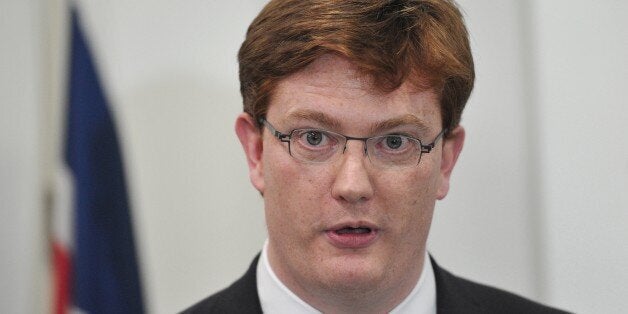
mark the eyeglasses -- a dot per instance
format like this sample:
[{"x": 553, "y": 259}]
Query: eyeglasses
[{"x": 321, "y": 146}]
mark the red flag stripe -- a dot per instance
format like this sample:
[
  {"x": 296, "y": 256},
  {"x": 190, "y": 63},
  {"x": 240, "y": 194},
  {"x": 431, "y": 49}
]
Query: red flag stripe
[{"x": 62, "y": 272}]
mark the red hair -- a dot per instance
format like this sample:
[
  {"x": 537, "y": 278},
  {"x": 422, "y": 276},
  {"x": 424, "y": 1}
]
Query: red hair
[{"x": 424, "y": 42}]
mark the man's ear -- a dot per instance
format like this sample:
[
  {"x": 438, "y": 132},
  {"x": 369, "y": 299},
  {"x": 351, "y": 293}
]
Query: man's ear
[
  {"x": 452, "y": 146},
  {"x": 251, "y": 139}
]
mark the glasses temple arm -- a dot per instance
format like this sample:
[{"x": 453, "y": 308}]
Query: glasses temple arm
[
  {"x": 428, "y": 148},
  {"x": 282, "y": 137}
]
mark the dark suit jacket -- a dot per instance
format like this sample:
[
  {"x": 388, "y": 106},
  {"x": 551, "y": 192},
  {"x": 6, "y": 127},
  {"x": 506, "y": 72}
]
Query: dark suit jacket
[{"x": 453, "y": 295}]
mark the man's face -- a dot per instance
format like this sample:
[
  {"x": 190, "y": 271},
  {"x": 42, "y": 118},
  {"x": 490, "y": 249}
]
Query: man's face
[{"x": 310, "y": 206}]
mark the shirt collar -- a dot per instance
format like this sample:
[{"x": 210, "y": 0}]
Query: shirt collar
[{"x": 275, "y": 297}]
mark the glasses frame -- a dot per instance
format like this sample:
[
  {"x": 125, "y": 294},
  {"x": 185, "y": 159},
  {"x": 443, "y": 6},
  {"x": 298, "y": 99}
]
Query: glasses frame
[{"x": 286, "y": 137}]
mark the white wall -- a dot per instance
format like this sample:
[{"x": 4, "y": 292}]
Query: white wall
[
  {"x": 483, "y": 229},
  {"x": 536, "y": 204},
  {"x": 22, "y": 249},
  {"x": 581, "y": 81}
]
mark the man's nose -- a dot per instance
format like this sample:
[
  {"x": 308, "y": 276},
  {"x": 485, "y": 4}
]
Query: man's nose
[{"x": 353, "y": 182}]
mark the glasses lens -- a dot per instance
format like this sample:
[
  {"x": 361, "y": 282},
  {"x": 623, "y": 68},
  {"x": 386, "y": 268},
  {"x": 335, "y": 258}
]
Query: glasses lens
[
  {"x": 313, "y": 145},
  {"x": 394, "y": 150}
]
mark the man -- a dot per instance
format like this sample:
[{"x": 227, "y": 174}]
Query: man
[{"x": 350, "y": 129}]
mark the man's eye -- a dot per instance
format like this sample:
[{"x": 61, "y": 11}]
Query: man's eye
[
  {"x": 395, "y": 141},
  {"x": 314, "y": 138}
]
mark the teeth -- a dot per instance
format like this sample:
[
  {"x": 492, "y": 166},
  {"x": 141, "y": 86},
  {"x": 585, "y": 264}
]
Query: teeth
[{"x": 349, "y": 230}]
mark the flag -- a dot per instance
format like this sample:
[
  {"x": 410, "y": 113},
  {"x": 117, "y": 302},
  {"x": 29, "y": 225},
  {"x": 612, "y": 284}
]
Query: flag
[{"x": 95, "y": 264}]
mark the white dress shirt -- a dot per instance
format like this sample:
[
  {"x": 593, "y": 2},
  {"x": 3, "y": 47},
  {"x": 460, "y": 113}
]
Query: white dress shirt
[{"x": 275, "y": 297}]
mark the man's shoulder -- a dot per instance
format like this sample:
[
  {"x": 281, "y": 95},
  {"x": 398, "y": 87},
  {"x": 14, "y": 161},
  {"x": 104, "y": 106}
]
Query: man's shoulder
[
  {"x": 239, "y": 297},
  {"x": 458, "y": 295}
]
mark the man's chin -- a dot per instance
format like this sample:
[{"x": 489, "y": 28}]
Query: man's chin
[{"x": 352, "y": 273}]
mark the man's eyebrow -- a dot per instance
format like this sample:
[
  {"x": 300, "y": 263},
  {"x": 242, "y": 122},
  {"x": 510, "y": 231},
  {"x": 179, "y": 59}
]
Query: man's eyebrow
[
  {"x": 332, "y": 123},
  {"x": 406, "y": 119},
  {"x": 316, "y": 116}
]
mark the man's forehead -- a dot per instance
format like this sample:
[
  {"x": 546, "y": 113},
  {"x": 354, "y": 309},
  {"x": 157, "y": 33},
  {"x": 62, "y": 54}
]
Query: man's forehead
[
  {"x": 332, "y": 71},
  {"x": 332, "y": 88}
]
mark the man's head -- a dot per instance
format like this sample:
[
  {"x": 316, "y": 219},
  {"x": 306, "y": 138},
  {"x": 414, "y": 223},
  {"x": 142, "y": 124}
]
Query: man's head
[
  {"x": 348, "y": 217},
  {"x": 390, "y": 42}
]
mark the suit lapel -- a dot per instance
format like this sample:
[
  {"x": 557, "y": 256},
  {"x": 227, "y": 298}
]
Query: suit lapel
[
  {"x": 451, "y": 297},
  {"x": 243, "y": 297}
]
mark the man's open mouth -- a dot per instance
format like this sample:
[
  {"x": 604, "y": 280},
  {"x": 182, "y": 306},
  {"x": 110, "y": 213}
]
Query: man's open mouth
[
  {"x": 353, "y": 235},
  {"x": 350, "y": 230}
]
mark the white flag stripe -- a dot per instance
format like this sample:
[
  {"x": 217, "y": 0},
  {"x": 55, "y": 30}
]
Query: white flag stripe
[{"x": 62, "y": 208}]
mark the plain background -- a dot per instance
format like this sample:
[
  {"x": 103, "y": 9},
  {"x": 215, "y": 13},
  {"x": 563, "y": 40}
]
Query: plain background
[{"x": 538, "y": 203}]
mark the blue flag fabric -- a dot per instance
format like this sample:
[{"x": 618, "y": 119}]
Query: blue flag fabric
[{"x": 105, "y": 277}]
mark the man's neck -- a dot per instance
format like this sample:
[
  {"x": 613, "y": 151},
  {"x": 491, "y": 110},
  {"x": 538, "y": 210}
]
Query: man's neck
[{"x": 376, "y": 298}]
